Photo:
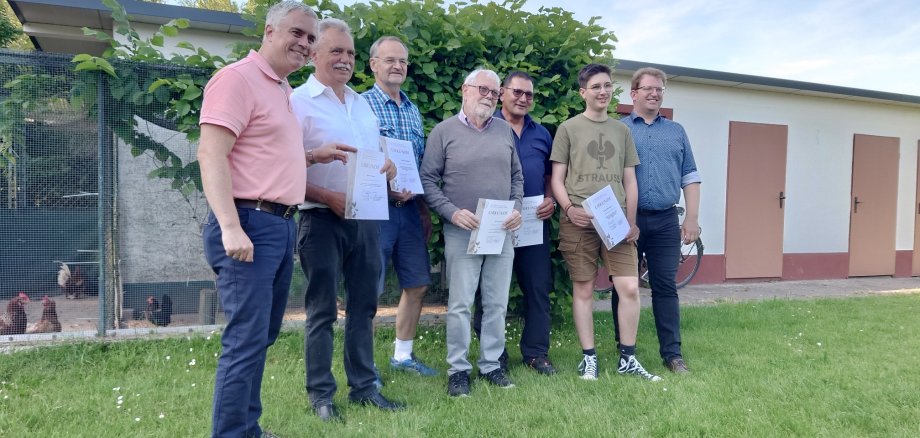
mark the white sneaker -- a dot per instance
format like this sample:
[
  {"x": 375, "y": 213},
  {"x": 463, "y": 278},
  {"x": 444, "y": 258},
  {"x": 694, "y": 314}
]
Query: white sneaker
[
  {"x": 587, "y": 369},
  {"x": 631, "y": 365}
]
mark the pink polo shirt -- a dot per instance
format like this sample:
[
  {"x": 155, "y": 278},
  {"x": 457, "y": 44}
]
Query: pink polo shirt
[{"x": 267, "y": 160}]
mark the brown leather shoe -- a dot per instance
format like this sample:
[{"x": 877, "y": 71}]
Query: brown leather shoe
[{"x": 677, "y": 366}]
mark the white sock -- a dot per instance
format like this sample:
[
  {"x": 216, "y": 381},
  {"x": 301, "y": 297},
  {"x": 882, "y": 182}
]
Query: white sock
[{"x": 403, "y": 350}]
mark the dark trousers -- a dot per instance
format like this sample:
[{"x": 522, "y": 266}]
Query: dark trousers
[
  {"x": 253, "y": 296},
  {"x": 330, "y": 247},
  {"x": 659, "y": 240},
  {"x": 534, "y": 272}
]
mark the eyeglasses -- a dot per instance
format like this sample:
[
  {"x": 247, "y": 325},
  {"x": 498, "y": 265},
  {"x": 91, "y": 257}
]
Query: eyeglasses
[
  {"x": 389, "y": 62},
  {"x": 517, "y": 93},
  {"x": 596, "y": 88},
  {"x": 649, "y": 89},
  {"x": 485, "y": 91}
]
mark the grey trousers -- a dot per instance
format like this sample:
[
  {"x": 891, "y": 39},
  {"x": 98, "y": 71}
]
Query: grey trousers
[{"x": 466, "y": 272}]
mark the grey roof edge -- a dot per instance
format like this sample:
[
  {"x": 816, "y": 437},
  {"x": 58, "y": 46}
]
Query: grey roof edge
[
  {"x": 136, "y": 8},
  {"x": 626, "y": 65}
]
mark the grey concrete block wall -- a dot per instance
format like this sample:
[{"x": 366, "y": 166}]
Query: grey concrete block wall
[{"x": 159, "y": 229}]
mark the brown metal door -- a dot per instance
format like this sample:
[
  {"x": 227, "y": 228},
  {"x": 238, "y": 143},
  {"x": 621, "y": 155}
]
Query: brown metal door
[
  {"x": 755, "y": 200},
  {"x": 916, "y": 270},
  {"x": 873, "y": 205}
]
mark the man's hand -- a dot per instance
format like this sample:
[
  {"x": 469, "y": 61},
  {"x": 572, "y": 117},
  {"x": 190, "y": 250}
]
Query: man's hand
[
  {"x": 463, "y": 218},
  {"x": 633, "y": 235},
  {"x": 390, "y": 169},
  {"x": 546, "y": 208},
  {"x": 237, "y": 244},
  {"x": 513, "y": 221},
  {"x": 336, "y": 202},
  {"x": 330, "y": 152},
  {"x": 404, "y": 196},
  {"x": 689, "y": 231},
  {"x": 579, "y": 216}
]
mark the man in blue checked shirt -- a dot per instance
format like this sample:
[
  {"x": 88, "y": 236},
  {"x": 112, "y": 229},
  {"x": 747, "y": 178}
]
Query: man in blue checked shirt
[
  {"x": 404, "y": 237},
  {"x": 667, "y": 168}
]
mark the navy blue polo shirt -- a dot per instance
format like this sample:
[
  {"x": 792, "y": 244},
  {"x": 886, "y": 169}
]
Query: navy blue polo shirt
[{"x": 533, "y": 147}]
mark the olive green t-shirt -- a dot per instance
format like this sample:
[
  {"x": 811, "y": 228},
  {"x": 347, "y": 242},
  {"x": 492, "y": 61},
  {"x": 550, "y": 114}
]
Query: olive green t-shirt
[{"x": 596, "y": 154}]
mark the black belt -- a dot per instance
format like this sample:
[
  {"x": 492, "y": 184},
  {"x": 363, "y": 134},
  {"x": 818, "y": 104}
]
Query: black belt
[
  {"x": 285, "y": 211},
  {"x": 647, "y": 212}
]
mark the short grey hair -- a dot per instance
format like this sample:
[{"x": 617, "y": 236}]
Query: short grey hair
[
  {"x": 333, "y": 23},
  {"x": 470, "y": 78},
  {"x": 280, "y": 10},
  {"x": 381, "y": 40}
]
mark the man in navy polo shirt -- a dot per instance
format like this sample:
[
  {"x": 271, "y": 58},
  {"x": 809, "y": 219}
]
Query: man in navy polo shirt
[{"x": 532, "y": 265}]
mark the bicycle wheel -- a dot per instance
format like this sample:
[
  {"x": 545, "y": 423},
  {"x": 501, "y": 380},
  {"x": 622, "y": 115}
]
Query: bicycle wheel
[{"x": 690, "y": 257}]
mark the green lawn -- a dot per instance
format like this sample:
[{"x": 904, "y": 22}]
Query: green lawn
[{"x": 842, "y": 367}]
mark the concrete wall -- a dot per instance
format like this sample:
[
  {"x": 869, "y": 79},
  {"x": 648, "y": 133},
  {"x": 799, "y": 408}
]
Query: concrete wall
[
  {"x": 819, "y": 160},
  {"x": 160, "y": 229}
]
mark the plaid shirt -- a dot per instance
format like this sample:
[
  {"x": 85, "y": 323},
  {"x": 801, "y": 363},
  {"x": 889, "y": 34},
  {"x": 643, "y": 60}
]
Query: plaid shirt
[{"x": 402, "y": 122}]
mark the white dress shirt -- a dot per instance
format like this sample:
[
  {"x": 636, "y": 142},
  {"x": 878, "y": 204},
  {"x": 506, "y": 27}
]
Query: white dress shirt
[{"x": 324, "y": 119}]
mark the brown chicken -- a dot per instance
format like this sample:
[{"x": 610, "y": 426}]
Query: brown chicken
[
  {"x": 49, "y": 322},
  {"x": 72, "y": 283},
  {"x": 15, "y": 322}
]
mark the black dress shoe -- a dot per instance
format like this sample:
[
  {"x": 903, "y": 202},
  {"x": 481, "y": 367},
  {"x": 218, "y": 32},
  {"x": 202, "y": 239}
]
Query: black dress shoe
[
  {"x": 327, "y": 413},
  {"x": 379, "y": 401},
  {"x": 541, "y": 365}
]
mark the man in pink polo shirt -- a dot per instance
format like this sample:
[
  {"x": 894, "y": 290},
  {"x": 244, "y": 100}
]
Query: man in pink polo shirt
[{"x": 253, "y": 169}]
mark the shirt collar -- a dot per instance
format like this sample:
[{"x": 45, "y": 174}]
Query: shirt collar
[
  {"x": 633, "y": 116},
  {"x": 315, "y": 88},
  {"x": 263, "y": 65},
  {"x": 386, "y": 97},
  {"x": 466, "y": 121}
]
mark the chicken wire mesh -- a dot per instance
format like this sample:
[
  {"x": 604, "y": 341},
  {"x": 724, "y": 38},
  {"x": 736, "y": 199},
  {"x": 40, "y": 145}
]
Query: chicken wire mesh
[{"x": 91, "y": 242}]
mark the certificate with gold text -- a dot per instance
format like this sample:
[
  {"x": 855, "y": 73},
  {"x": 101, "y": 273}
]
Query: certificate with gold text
[
  {"x": 366, "y": 195},
  {"x": 489, "y": 238},
  {"x": 609, "y": 220}
]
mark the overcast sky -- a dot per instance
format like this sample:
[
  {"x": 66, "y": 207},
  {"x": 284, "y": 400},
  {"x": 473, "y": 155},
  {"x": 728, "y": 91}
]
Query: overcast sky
[{"x": 870, "y": 44}]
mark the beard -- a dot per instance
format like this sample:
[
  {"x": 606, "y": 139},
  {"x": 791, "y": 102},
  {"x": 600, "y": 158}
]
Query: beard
[{"x": 482, "y": 113}]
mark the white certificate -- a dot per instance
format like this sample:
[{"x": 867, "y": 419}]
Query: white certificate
[
  {"x": 402, "y": 154},
  {"x": 489, "y": 238},
  {"x": 609, "y": 220},
  {"x": 531, "y": 231},
  {"x": 366, "y": 195}
]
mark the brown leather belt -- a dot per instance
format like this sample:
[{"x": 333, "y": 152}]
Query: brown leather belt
[{"x": 285, "y": 211}]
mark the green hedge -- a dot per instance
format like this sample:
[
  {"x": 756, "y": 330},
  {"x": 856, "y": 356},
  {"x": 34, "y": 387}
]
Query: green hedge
[{"x": 446, "y": 41}]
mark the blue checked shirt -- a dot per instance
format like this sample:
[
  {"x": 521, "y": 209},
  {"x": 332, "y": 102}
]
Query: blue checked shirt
[
  {"x": 666, "y": 158},
  {"x": 402, "y": 122}
]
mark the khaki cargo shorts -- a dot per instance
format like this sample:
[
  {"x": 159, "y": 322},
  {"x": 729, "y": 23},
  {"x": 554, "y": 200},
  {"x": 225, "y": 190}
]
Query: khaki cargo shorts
[{"x": 581, "y": 247}]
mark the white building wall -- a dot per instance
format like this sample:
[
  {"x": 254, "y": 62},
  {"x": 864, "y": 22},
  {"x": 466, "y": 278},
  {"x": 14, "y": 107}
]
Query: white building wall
[
  {"x": 819, "y": 157},
  {"x": 216, "y": 43}
]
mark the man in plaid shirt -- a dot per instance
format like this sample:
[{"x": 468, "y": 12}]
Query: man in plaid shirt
[{"x": 404, "y": 237}]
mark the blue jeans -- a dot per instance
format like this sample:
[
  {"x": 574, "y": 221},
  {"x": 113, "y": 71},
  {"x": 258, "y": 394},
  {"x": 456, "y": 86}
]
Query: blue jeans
[
  {"x": 253, "y": 296},
  {"x": 329, "y": 248},
  {"x": 659, "y": 240}
]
